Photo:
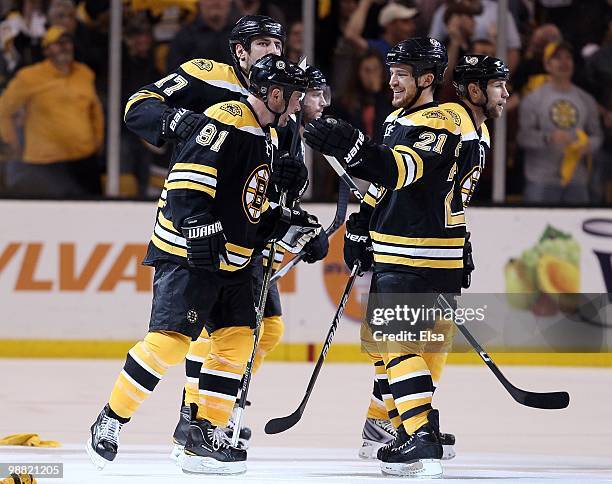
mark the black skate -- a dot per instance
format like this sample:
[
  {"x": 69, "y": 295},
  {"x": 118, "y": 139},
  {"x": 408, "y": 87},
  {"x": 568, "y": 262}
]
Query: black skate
[
  {"x": 400, "y": 437},
  {"x": 180, "y": 432},
  {"x": 419, "y": 455},
  {"x": 103, "y": 441},
  {"x": 376, "y": 434},
  {"x": 208, "y": 450},
  {"x": 448, "y": 446}
]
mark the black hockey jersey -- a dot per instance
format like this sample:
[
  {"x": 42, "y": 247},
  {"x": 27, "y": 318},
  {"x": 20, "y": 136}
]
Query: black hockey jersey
[
  {"x": 475, "y": 142},
  {"x": 224, "y": 168},
  {"x": 418, "y": 224}
]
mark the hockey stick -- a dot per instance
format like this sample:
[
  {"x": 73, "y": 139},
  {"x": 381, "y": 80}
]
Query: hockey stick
[
  {"x": 277, "y": 425},
  {"x": 548, "y": 400},
  {"x": 551, "y": 400},
  {"x": 340, "y": 215}
]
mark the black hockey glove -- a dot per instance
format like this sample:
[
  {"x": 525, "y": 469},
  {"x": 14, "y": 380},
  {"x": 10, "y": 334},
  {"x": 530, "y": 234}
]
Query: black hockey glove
[
  {"x": 205, "y": 242},
  {"x": 289, "y": 174},
  {"x": 179, "y": 124},
  {"x": 468, "y": 262},
  {"x": 357, "y": 244},
  {"x": 317, "y": 248},
  {"x": 294, "y": 228},
  {"x": 335, "y": 137}
]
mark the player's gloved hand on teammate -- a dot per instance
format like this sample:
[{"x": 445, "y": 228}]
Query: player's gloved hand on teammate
[
  {"x": 179, "y": 124},
  {"x": 205, "y": 241},
  {"x": 289, "y": 174},
  {"x": 468, "y": 262},
  {"x": 317, "y": 248},
  {"x": 357, "y": 244},
  {"x": 335, "y": 137}
]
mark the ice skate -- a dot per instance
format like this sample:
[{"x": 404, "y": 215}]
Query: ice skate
[
  {"x": 418, "y": 456},
  {"x": 103, "y": 442},
  {"x": 376, "y": 434},
  {"x": 208, "y": 450}
]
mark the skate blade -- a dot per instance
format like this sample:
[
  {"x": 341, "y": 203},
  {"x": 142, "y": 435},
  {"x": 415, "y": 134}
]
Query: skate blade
[
  {"x": 177, "y": 450},
  {"x": 448, "y": 452},
  {"x": 424, "y": 468},
  {"x": 96, "y": 458},
  {"x": 194, "y": 464},
  {"x": 369, "y": 449}
]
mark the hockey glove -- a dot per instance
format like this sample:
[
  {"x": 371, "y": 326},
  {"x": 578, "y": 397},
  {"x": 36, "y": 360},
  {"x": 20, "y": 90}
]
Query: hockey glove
[
  {"x": 179, "y": 124},
  {"x": 205, "y": 242},
  {"x": 358, "y": 244},
  {"x": 335, "y": 137},
  {"x": 317, "y": 248},
  {"x": 468, "y": 262},
  {"x": 294, "y": 228},
  {"x": 289, "y": 174}
]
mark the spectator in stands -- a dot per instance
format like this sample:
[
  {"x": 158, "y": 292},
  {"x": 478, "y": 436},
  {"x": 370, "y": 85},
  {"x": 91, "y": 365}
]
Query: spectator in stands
[
  {"x": 90, "y": 44},
  {"x": 396, "y": 20},
  {"x": 207, "y": 36},
  {"x": 485, "y": 25},
  {"x": 559, "y": 131},
  {"x": 258, "y": 7},
  {"x": 138, "y": 69},
  {"x": 598, "y": 69},
  {"x": 63, "y": 128},
  {"x": 460, "y": 26},
  {"x": 295, "y": 42},
  {"x": 365, "y": 101},
  {"x": 20, "y": 35},
  {"x": 530, "y": 73},
  {"x": 329, "y": 31}
]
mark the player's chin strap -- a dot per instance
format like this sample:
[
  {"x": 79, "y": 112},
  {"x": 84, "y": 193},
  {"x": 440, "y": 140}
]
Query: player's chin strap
[
  {"x": 277, "y": 115},
  {"x": 419, "y": 91},
  {"x": 482, "y": 84}
]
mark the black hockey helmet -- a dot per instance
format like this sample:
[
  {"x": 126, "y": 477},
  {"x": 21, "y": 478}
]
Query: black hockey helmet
[
  {"x": 275, "y": 70},
  {"x": 424, "y": 54},
  {"x": 480, "y": 69},
  {"x": 251, "y": 26},
  {"x": 316, "y": 80}
]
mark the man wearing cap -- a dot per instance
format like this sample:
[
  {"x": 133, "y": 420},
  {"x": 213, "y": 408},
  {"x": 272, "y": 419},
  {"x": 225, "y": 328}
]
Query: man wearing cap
[
  {"x": 396, "y": 20},
  {"x": 63, "y": 127},
  {"x": 559, "y": 131}
]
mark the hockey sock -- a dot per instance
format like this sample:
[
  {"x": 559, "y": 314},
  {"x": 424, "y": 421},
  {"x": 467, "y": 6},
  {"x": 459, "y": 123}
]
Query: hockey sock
[
  {"x": 412, "y": 388},
  {"x": 222, "y": 371},
  {"x": 435, "y": 363},
  {"x": 198, "y": 350},
  {"x": 272, "y": 329},
  {"x": 145, "y": 365},
  {"x": 377, "y": 408}
]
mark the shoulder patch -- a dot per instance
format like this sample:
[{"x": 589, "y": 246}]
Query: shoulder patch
[
  {"x": 203, "y": 64},
  {"x": 455, "y": 117},
  {"x": 434, "y": 114},
  {"x": 232, "y": 108}
]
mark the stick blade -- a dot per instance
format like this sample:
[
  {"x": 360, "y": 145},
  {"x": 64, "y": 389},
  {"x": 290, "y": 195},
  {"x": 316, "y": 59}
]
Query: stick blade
[
  {"x": 280, "y": 424},
  {"x": 549, "y": 401}
]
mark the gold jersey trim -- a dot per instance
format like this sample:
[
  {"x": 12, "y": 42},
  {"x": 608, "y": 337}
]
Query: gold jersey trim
[
  {"x": 139, "y": 96},
  {"x": 419, "y": 241},
  {"x": 236, "y": 114}
]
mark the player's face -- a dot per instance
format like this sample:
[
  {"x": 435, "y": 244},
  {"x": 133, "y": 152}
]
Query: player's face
[
  {"x": 314, "y": 103},
  {"x": 498, "y": 95},
  {"x": 402, "y": 84},
  {"x": 261, "y": 46},
  {"x": 292, "y": 108}
]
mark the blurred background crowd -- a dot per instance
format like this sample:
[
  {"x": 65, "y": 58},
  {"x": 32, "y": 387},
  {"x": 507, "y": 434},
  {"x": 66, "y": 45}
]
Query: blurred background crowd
[{"x": 54, "y": 84}]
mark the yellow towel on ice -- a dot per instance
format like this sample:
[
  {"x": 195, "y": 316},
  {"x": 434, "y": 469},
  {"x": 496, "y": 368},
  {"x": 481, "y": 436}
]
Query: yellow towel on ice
[{"x": 28, "y": 440}]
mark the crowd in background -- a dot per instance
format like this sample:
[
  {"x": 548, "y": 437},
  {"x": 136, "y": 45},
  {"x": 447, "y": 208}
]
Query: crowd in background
[{"x": 54, "y": 84}]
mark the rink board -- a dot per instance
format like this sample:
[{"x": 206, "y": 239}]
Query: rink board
[{"x": 70, "y": 273}]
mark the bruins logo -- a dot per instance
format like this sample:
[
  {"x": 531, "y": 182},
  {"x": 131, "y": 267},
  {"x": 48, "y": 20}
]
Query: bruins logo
[
  {"x": 203, "y": 64},
  {"x": 254, "y": 193},
  {"x": 434, "y": 115},
  {"x": 233, "y": 109},
  {"x": 456, "y": 118},
  {"x": 564, "y": 114}
]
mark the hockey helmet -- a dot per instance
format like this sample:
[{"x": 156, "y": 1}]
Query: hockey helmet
[
  {"x": 316, "y": 80},
  {"x": 424, "y": 54},
  {"x": 480, "y": 69},
  {"x": 251, "y": 26}
]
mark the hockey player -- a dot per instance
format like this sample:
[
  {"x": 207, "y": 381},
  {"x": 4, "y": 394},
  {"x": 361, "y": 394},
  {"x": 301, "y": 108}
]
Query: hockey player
[
  {"x": 480, "y": 82},
  {"x": 416, "y": 231},
  {"x": 167, "y": 111},
  {"x": 211, "y": 215}
]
